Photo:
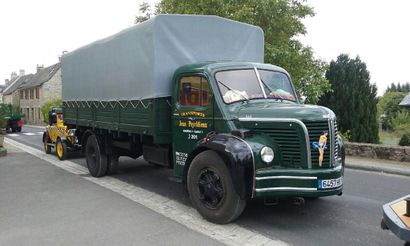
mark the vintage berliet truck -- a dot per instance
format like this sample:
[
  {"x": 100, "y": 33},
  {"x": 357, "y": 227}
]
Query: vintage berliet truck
[{"x": 192, "y": 93}]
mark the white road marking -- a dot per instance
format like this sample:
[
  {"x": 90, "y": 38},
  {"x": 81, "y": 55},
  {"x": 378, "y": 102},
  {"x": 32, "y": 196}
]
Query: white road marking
[
  {"x": 231, "y": 234},
  {"x": 25, "y": 133}
]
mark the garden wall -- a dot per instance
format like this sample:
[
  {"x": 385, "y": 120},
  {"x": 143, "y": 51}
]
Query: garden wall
[{"x": 378, "y": 151}]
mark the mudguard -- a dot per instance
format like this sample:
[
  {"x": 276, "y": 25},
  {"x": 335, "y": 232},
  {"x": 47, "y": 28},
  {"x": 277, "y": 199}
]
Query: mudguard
[{"x": 237, "y": 155}]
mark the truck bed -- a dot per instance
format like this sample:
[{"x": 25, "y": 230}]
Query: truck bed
[{"x": 150, "y": 117}]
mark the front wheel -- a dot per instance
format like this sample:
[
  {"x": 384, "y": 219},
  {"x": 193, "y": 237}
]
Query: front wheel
[
  {"x": 211, "y": 189},
  {"x": 46, "y": 141}
]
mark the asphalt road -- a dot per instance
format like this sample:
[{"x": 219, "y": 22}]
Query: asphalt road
[{"x": 351, "y": 219}]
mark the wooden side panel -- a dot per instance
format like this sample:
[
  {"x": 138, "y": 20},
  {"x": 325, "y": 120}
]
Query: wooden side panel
[{"x": 148, "y": 117}]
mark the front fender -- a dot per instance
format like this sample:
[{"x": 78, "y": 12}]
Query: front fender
[
  {"x": 241, "y": 155},
  {"x": 237, "y": 155}
]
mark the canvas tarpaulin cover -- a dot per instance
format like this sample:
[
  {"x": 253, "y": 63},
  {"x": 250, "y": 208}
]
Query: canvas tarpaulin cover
[{"x": 139, "y": 62}]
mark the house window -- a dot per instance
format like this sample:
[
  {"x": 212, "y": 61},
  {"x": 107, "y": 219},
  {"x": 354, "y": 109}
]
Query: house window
[
  {"x": 26, "y": 94},
  {"x": 21, "y": 94},
  {"x": 32, "y": 94},
  {"x": 37, "y": 93}
]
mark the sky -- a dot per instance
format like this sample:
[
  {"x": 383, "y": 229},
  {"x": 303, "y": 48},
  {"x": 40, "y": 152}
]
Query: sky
[{"x": 37, "y": 32}]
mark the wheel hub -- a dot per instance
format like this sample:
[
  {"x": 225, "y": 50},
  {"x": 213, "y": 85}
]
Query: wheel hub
[{"x": 210, "y": 188}]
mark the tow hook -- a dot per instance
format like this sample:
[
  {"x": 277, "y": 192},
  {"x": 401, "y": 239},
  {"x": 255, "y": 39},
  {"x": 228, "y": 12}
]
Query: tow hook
[
  {"x": 298, "y": 201},
  {"x": 270, "y": 201}
]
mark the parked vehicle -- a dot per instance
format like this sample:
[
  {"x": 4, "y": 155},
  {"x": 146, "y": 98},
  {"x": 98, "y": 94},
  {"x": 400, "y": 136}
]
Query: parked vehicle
[
  {"x": 58, "y": 136},
  {"x": 192, "y": 93},
  {"x": 14, "y": 121}
]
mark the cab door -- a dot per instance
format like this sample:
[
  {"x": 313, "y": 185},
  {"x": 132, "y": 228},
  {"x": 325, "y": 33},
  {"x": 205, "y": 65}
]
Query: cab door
[{"x": 192, "y": 117}]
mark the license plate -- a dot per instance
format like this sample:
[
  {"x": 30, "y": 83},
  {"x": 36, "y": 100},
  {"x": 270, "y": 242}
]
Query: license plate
[{"x": 330, "y": 183}]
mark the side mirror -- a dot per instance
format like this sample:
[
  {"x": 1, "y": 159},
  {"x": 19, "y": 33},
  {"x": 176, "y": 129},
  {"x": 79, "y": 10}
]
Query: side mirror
[{"x": 303, "y": 96}]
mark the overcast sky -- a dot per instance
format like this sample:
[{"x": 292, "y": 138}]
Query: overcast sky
[{"x": 37, "y": 32}]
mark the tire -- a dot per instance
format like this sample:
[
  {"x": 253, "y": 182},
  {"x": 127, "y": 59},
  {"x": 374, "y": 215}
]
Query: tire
[
  {"x": 211, "y": 189},
  {"x": 19, "y": 129},
  {"x": 61, "y": 149},
  {"x": 96, "y": 161},
  {"x": 46, "y": 141},
  {"x": 112, "y": 164},
  {"x": 13, "y": 129}
]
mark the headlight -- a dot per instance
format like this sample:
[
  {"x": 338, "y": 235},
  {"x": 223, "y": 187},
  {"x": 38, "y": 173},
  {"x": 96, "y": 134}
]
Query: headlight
[
  {"x": 267, "y": 154},
  {"x": 71, "y": 132}
]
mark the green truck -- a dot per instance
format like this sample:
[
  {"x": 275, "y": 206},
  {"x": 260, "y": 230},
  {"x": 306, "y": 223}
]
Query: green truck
[{"x": 192, "y": 93}]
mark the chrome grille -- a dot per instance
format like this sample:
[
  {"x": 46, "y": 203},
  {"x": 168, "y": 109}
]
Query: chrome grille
[{"x": 289, "y": 143}]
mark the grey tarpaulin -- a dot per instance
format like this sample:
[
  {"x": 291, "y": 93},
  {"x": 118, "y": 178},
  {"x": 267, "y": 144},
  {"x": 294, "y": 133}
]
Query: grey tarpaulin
[{"x": 139, "y": 62}]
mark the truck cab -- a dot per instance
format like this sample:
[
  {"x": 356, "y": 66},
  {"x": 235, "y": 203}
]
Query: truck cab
[{"x": 247, "y": 117}]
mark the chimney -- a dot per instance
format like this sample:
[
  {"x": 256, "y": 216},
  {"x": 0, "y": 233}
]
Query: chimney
[
  {"x": 13, "y": 75},
  {"x": 59, "y": 57},
  {"x": 22, "y": 72},
  {"x": 39, "y": 67}
]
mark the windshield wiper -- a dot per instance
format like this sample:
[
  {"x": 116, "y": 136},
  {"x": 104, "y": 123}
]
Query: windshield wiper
[
  {"x": 271, "y": 93},
  {"x": 234, "y": 91}
]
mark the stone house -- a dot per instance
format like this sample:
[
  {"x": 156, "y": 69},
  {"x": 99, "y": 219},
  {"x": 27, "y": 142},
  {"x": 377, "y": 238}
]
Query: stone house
[
  {"x": 1, "y": 93},
  {"x": 44, "y": 86},
  {"x": 10, "y": 92}
]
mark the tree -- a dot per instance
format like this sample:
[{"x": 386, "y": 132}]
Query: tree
[
  {"x": 353, "y": 98},
  {"x": 144, "y": 13},
  {"x": 388, "y": 107},
  {"x": 48, "y": 106},
  {"x": 398, "y": 88},
  {"x": 281, "y": 22}
]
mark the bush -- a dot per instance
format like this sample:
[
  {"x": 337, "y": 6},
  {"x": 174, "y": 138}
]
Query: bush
[
  {"x": 405, "y": 140},
  {"x": 401, "y": 123},
  {"x": 48, "y": 106},
  {"x": 4, "y": 112}
]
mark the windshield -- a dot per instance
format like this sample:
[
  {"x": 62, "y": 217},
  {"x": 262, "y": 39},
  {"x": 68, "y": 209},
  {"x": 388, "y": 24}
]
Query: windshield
[{"x": 240, "y": 85}]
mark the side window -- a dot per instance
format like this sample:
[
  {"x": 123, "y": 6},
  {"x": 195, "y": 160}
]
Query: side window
[{"x": 194, "y": 91}]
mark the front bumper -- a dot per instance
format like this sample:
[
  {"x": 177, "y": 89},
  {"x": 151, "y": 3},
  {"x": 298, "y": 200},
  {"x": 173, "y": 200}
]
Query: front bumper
[{"x": 296, "y": 182}]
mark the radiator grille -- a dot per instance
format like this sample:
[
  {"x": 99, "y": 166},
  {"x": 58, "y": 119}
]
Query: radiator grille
[{"x": 289, "y": 143}]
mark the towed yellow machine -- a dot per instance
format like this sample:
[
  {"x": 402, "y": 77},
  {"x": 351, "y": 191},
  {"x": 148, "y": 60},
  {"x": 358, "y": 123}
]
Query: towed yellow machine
[{"x": 58, "y": 136}]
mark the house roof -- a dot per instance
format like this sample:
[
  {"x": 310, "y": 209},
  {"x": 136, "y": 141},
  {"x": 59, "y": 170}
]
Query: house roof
[
  {"x": 41, "y": 76},
  {"x": 406, "y": 101},
  {"x": 15, "y": 83}
]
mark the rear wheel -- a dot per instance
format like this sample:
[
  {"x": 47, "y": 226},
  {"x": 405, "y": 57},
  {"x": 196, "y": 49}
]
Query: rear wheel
[
  {"x": 211, "y": 189},
  {"x": 61, "y": 149},
  {"x": 96, "y": 160},
  {"x": 46, "y": 141}
]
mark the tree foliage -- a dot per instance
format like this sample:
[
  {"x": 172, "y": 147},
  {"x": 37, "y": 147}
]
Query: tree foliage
[
  {"x": 144, "y": 12},
  {"x": 398, "y": 87},
  {"x": 388, "y": 107},
  {"x": 48, "y": 106},
  {"x": 4, "y": 112},
  {"x": 281, "y": 22},
  {"x": 353, "y": 98}
]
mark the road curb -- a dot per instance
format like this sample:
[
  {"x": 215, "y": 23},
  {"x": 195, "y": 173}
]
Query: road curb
[{"x": 390, "y": 170}]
